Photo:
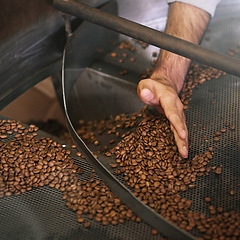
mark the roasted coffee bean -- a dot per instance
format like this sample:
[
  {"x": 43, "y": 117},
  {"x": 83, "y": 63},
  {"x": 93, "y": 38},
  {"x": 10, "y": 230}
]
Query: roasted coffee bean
[
  {"x": 232, "y": 127},
  {"x": 113, "y": 165},
  {"x": 230, "y": 53},
  {"x": 218, "y": 170},
  {"x": 80, "y": 220},
  {"x": 223, "y": 130},
  {"x": 232, "y": 192},
  {"x": 154, "y": 232},
  {"x": 207, "y": 199},
  {"x": 87, "y": 224},
  {"x": 113, "y": 54},
  {"x": 216, "y": 139}
]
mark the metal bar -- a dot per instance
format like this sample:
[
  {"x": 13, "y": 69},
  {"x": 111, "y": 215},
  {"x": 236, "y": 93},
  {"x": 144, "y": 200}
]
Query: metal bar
[{"x": 151, "y": 36}]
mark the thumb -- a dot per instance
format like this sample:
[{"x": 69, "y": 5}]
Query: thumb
[
  {"x": 146, "y": 96},
  {"x": 146, "y": 93}
]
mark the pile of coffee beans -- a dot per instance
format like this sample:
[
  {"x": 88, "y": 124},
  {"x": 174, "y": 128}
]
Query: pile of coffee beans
[
  {"x": 92, "y": 199},
  {"x": 91, "y": 130},
  {"x": 148, "y": 159},
  {"x": 197, "y": 75},
  {"x": 157, "y": 174},
  {"x": 29, "y": 162}
]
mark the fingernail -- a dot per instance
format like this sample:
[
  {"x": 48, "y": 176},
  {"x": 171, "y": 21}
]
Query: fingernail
[
  {"x": 146, "y": 93},
  {"x": 185, "y": 150},
  {"x": 184, "y": 134}
]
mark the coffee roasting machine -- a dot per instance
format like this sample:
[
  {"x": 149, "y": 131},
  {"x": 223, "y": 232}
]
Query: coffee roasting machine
[{"x": 100, "y": 57}]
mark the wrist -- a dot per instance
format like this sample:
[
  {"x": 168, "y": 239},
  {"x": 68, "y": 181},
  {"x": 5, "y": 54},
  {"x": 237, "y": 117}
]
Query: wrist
[
  {"x": 174, "y": 81},
  {"x": 164, "y": 79}
]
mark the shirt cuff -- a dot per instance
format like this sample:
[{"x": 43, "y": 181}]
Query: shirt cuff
[{"x": 206, "y": 5}]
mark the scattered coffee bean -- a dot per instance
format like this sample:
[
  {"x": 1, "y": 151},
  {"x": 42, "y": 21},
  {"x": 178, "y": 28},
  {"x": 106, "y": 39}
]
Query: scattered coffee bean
[
  {"x": 113, "y": 165},
  {"x": 232, "y": 192},
  {"x": 207, "y": 199},
  {"x": 113, "y": 54},
  {"x": 154, "y": 232},
  {"x": 218, "y": 170},
  {"x": 216, "y": 139},
  {"x": 87, "y": 224},
  {"x": 223, "y": 130}
]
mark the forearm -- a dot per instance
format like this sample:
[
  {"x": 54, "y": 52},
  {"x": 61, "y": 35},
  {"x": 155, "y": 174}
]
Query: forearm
[{"x": 186, "y": 22}]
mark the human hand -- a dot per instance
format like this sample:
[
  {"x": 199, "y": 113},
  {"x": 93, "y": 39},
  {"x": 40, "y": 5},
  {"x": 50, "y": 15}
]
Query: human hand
[{"x": 162, "y": 95}]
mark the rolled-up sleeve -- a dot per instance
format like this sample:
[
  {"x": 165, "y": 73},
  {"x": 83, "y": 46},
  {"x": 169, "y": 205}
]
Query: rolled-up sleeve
[{"x": 207, "y": 5}]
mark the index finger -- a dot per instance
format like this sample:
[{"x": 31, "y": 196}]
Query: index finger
[{"x": 173, "y": 109}]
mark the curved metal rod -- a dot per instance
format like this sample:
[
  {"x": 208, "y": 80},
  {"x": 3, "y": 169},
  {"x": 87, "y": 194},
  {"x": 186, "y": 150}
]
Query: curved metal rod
[{"x": 151, "y": 36}]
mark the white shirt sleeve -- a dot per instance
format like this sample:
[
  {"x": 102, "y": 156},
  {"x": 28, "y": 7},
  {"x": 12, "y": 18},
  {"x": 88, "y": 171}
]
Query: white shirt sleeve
[{"x": 207, "y": 5}]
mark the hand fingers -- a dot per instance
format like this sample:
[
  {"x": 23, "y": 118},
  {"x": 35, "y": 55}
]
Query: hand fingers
[
  {"x": 165, "y": 100},
  {"x": 181, "y": 144},
  {"x": 174, "y": 113},
  {"x": 173, "y": 110}
]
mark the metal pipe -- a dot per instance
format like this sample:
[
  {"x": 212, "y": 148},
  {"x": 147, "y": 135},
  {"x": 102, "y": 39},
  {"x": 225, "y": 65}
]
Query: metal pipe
[{"x": 151, "y": 36}]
